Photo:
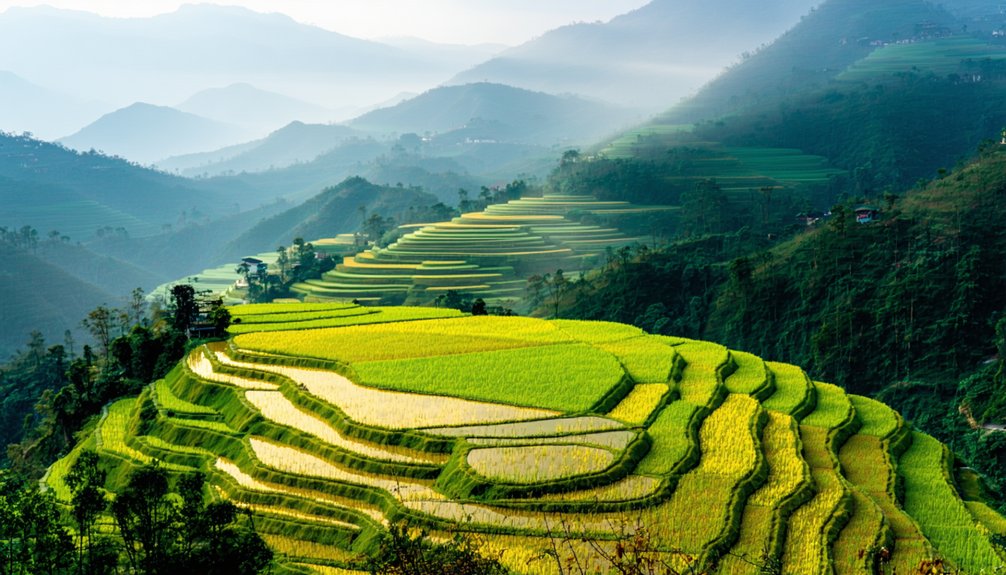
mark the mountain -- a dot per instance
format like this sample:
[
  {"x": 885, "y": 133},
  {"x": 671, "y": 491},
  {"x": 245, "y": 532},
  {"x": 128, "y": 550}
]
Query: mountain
[
  {"x": 50, "y": 187},
  {"x": 297, "y": 142},
  {"x": 484, "y": 111},
  {"x": 648, "y": 58},
  {"x": 257, "y": 111},
  {"x": 811, "y": 54},
  {"x": 144, "y": 133},
  {"x": 26, "y": 107},
  {"x": 335, "y": 210},
  {"x": 167, "y": 58},
  {"x": 37, "y": 295},
  {"x": 458, "y": 56}
]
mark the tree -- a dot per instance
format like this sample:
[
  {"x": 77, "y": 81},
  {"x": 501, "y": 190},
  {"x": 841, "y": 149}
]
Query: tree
[
  {"x": 556, "y": 286},
  {"x": 407, "y": 552},
  {"x": 184, "y": 308},
  {"x": 85, "y": 481},
  {"x": 146, "y": 519},
  {"x": 177, "y": 532},
  {"x": 99, "y": 323},
  {"x": 32, "y": 540},
  {"x": 137, "y": 306},
  {"x": 479, "y": 307}
]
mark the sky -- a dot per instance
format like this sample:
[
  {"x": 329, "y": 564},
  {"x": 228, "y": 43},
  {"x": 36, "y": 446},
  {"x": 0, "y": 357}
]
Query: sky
[{"x": 509, "y": 22}]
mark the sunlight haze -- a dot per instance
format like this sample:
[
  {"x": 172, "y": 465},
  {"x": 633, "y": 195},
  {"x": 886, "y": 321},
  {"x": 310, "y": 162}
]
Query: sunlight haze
[{"x": 508, "y": 22}]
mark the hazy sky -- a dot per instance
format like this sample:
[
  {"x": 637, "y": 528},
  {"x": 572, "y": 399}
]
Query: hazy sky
[{"x": 456, "y": 21}]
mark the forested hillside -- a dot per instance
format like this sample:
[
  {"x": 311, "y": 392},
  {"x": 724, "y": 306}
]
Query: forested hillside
[{"x": 911, "y": 299}]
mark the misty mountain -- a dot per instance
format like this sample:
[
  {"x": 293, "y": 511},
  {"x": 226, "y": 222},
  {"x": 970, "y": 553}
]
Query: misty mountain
[
  {"x": 648, "y": 58},
  {"x": 296, "y": 142},
  {"x": 257, "y": 111},
  {"x": 494, "y": 112},
  {"x": 27, "y": 107},
  {"x": 50, "y": 187},
  {"x": 335, "y": 210},
  {"x": 457, "y": 56},
  {"x": 165, "y": 59},
  {"x": 145, "y": 133},
  {"x": 825, "y": 43}
]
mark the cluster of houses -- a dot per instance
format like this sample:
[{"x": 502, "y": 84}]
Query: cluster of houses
[{"x": 864, "y": 215}]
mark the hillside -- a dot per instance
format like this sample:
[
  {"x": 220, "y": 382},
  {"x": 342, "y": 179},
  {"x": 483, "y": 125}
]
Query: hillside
[
  {"x": 855, "y": 103},
  {"x": 494, "y": 112},
  {"x": 36, "y": 295},
  {"x": 329, "y": 423},
  {"x": 144, "y": 133},
  {"x": 649, "y": 58},
  {"x": 829, "y": 39},
  {"x": 50, "y": 187},
  {"x": 296, "y": 142},
  {"x": 333, "y": 211}
]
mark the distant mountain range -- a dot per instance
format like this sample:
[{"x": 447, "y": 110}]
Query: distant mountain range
[
  {"x": 257, "y": 111},
  {"x": 27, "y": 107},
  {"x": 494, "y": 112},
  {"x": 296, "y": 142},
  {"x": 481, "y": 127},
  {"x": 165, "y": 59},
  {"x": 648, "y": 58},
  {"x": 146, "y": 133}
]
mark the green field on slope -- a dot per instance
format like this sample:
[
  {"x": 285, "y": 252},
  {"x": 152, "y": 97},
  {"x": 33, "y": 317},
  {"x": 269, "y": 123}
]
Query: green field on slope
[{"x": 516, "y": 429}]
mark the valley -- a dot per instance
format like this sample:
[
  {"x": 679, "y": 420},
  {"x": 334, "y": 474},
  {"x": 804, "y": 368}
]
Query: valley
[{"x": 702, "y": 287}]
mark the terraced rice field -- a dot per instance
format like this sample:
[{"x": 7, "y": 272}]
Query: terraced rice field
[
  {"x": 516, "y": 430},
  {"x": 488, "y": 254},
  {"x": 941, "y": 56}
]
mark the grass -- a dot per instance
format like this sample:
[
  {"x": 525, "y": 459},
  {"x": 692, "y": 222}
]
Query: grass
[
  {"x": 168, "y": 401},
  {"x": 878, "y": 420},
  {"x": 637, "y": 407},
  {"x": 932, "y": 500},
  {"x": 807, "y": 548},
  {"x": 402, "y": 340},
  {"x": 833, "y": 407},
  {"x": 395, "y": 410},
  {"x": 700, "y": 383},
  {"x": 645, "y": 359},
  {"x": 616, "y": 440},
  {"x": 751, "y": 376},
  {"x": 539, "y": 428},
  {"x": 597, "y": 331},
  {"x": 295, "y": 461},
  {"x": 793, "y": 390},
  {"x": 569, "y": 378},
  {"x": 538, "y": 463},
  {"x": 274, "y": 407},
  {"x": 763, "y": 521},
  {"x": 729, "y": 476},
  {"x": 673, "y": 440},
  {"x": 380, "y": 315}
]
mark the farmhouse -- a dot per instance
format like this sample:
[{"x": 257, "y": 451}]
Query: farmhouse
[{"x": 866, "y": 214}]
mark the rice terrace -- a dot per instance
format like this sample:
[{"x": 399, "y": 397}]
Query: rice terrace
[{"x": 555, "y": 444}]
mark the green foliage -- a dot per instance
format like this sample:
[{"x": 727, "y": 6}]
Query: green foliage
[
  {"x": 164, "y": 533},
  {"x": 405, "y": 552},
  {"x": 32, "y": 539}
]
